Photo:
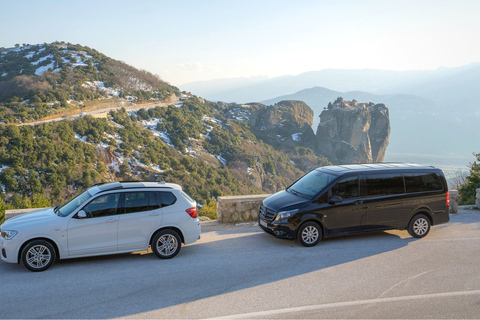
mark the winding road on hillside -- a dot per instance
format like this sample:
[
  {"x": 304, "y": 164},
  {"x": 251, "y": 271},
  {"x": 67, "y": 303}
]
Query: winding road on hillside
[
  {"x": 102, "y": 113},
  {"x": 242, "y": 272}
]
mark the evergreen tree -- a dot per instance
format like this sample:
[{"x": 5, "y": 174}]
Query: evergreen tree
[{"x": 468, "y": 191}]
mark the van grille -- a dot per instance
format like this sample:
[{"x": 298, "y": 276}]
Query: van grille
[{"x": 267, "y": 214}]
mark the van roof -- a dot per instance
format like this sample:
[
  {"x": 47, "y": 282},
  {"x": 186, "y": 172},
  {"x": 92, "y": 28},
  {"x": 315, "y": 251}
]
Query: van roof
[{"x": 340, "y": 169}]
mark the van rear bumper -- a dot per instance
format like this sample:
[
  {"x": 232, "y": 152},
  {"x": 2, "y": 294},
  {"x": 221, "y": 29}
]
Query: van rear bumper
[{"x": 442, "y": 217}]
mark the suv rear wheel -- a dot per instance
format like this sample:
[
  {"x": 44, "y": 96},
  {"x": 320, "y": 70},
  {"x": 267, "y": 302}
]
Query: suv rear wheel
[
  {"x": 309, "y": 234},
  {"x": 166, "y": 244}
]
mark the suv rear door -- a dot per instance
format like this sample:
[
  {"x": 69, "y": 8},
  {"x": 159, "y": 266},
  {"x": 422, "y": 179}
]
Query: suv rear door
[{"x": 140, "y": 214}]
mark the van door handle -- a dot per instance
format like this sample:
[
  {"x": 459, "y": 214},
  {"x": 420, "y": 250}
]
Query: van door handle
[{"x": 358, "y": 202}]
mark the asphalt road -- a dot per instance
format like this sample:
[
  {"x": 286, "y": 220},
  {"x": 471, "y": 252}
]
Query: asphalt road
[{"x": 242, "y": 272}]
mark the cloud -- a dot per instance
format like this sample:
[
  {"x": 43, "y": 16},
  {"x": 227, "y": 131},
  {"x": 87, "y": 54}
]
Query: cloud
[{"x": 191, "y": 67}]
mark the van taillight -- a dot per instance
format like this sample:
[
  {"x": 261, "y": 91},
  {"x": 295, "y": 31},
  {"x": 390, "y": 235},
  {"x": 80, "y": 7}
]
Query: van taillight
[
  {"x": 448, "y": 199},
  {"x": 192, "y": 212}
]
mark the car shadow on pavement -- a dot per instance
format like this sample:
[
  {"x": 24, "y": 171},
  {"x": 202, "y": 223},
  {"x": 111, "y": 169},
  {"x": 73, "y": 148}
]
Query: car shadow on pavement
[{"x": 222, "y": 262}]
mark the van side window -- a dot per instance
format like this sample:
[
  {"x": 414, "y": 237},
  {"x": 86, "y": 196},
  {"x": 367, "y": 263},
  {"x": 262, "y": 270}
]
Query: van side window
[
  {"x": 384, "y": 184},
  {"x": 346, "y": 188},
  {"x": 419, "y": 182}
]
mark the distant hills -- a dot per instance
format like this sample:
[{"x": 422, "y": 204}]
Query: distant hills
[{"x": 434, "y": 114}]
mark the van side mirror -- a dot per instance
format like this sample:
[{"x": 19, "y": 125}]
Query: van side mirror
[
  {"x": 81, "y": 214},
  {"x": 335, "y": 200}
]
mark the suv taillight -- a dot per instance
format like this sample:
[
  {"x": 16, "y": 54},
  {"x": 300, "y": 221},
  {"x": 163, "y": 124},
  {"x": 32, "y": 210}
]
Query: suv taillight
[
  {"x": 192, "y": 212},
  {"x": 448, "y": 199}
]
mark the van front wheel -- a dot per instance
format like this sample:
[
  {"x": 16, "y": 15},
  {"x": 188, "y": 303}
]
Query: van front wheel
[
  {"x": 309, "y": 234},
  {"x": 419, "y": 226}
]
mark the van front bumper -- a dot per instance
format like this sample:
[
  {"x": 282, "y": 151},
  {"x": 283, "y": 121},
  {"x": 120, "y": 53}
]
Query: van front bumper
[{"x": 282, "y": 230}]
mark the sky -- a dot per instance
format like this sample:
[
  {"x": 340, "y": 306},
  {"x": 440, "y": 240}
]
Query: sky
[{"x": 186, "y": 40}]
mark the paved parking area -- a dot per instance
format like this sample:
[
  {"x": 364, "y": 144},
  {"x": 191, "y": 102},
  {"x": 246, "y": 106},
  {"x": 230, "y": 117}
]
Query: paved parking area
[{"x": 239, "y": 271}]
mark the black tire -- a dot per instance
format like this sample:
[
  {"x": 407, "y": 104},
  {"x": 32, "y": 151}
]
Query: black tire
[
  {"x": 419, "y": 226},
  {"x": 309, "y": 234},
  {"x": 38, "y": 255},
  {"x": 166, "y": 244}
]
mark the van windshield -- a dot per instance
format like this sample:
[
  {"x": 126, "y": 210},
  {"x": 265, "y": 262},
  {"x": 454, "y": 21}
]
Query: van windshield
[{"x": 311, "y": 184}]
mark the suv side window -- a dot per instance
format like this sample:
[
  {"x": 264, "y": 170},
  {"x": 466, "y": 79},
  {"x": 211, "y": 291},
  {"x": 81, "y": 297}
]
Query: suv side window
[
  {"x": 419, "y": 182},
  {"x": 166, "y": 198},
  {"x": 384, "y": 184},
  {"x": 140, "y": 201},
  {"x": 347, "y": 188},
  {"x": 102, "y": 206}
]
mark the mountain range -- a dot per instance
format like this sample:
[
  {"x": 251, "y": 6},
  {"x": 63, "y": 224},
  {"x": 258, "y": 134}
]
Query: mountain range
[{"x": 434, "y": 114}]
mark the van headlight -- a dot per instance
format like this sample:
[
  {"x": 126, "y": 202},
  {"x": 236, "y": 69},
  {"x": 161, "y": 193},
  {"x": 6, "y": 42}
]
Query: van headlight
[
  {"x": 282, "y": 215},
  {"x": 8, "y": 234}
]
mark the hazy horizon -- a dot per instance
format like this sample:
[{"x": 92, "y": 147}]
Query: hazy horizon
[{"x": 191, "y": 41}]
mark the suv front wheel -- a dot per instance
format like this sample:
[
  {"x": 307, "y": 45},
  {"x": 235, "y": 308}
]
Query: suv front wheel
[
  {"x": 166, "y": 244},
  {"x": 38, "y": 255}
]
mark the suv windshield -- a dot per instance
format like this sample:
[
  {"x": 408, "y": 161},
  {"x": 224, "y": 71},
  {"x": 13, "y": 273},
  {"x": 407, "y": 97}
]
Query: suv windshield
[
  {"x": 67, "y": 208},
  {"x": 311, "y": 183}
]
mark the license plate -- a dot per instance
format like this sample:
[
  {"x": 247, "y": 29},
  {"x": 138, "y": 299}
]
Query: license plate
[{"x": 263, "y": 223}]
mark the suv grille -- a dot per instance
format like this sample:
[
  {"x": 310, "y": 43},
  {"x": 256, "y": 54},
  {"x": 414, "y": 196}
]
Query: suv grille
[{"x": 267, "y": 214}]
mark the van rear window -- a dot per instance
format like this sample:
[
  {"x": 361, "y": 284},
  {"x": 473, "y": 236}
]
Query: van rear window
[
  {"x": 419, "y": 182},
  {"x": 384, "y": 184}
]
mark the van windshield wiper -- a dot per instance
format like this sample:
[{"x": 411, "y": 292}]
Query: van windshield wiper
[{"x": 295, "y": 192}]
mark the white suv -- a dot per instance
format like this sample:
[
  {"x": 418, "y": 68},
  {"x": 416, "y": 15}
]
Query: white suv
[{"x": 110, "y": 218}]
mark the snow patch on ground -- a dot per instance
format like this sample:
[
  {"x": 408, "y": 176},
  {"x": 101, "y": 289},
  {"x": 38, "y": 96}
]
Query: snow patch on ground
[
  {"x": 78, "y": 137},
  {"x": 296, "y": 136},
  {"x": 41, "y": 60},
  {"x": 222, "y": 160}
]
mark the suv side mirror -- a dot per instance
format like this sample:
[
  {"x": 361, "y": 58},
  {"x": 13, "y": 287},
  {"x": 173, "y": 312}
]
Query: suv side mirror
[
  {"x": 335, "y": 200},
  {"x": 81, "y": 214}
]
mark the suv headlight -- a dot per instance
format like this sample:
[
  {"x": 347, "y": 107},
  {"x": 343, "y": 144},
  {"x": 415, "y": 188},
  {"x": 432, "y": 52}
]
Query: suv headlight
[
  {"x": 282, "y": 215},
  {"x": 8, "y": 234}
]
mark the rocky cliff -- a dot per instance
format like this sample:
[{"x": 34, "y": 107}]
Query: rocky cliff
[
  {"x": 352, "y": 132},
  {"x": 286, "y": 124},
  {"x": 349, "y": 132}
]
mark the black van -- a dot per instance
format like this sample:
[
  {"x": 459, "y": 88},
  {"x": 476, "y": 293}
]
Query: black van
[{"x": 338, "y": 200}]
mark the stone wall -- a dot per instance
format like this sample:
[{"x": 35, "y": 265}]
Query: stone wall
[
  {"x": 239, "y": 208},
  {"x": 453, "y": 201},
  {"x": 12, "y": 213},
  {"x": 477, "y": 200}
]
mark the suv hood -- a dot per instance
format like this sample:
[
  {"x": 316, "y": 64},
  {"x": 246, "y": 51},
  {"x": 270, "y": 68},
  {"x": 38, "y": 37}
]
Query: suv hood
[
  {"x": 34, "y": 217},
  {"x": 285, "y": 200}
]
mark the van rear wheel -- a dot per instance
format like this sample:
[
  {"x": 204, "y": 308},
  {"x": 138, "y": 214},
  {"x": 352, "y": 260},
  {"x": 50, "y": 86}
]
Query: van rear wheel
[
  {"x": 309, "y": 234},
  {"x": 419, "y": 226}
]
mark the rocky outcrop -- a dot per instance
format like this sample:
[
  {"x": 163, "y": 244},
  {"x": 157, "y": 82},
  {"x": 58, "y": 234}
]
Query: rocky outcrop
[
  {"x": 351, "y": 132},
  {"x": 286, "y": 124}
]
